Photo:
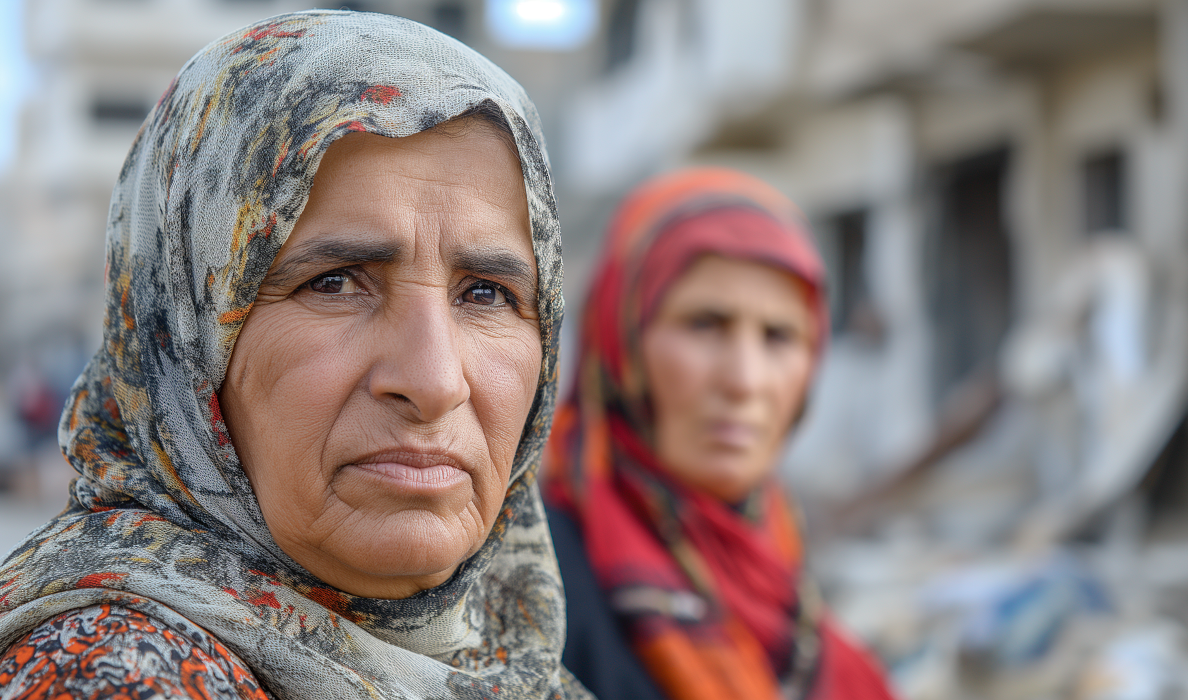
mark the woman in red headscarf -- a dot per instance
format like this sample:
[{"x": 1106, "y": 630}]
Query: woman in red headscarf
[{"x": 681, "y": 558}]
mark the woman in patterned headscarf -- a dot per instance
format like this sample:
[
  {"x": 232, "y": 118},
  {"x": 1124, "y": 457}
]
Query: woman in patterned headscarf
[
  {"x": 682, "y": 562},
  {"x": 308, "y": 445}
]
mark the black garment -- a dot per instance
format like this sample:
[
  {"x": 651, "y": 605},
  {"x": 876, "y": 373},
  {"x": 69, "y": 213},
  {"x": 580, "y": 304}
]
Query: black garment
[{"x": 595, "y": 649}]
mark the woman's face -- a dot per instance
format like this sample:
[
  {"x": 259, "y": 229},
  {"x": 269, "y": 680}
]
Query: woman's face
[
  {"x": 378, "y": 389},
  {"x": 727, "y": 358}
]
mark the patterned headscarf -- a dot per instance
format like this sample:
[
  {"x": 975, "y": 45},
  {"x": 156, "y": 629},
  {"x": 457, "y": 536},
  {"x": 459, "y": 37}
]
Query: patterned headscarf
[
  {"x": 162, "y": 518},
  {"x": 709, "y": 594}
]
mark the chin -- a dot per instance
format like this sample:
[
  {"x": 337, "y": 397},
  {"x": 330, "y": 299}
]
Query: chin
[
  {"x": 410, "y": 543},
  {"x": 732, "y": 480}
]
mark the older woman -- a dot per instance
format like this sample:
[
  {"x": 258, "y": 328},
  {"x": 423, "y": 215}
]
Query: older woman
[
  {"x": 307, "y": 448},
  {"x": 681, "y": 559}
]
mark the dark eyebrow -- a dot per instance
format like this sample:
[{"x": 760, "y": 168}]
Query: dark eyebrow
[
  {"x": 500, "y": 264},
  {"x": 712, "y": 312},
  {"x": 321, "y": 254}
]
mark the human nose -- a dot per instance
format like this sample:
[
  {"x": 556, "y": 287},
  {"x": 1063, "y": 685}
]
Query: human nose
[
  {"x": 418, "y": 360},
  {"x": 742, "y": 367}
]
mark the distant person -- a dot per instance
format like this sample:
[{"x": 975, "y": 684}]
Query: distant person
[
  {"x": 37, "y": 405},
  {"x": 307, "y": 448},
  {"x": 682, "y": 561}
]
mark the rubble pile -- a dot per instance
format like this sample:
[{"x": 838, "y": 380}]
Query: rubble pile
[
  {"x": 1084, "y": 622},
  {"x": 951, "y": 585}
]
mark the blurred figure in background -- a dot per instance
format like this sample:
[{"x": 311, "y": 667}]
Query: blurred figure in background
[{"x": 682, "y": 560}]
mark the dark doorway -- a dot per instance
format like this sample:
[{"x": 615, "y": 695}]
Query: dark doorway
[
  {"x": 968, "y": 268},
  {"x": 1103, "y": 177},
  {"x": 850, "y": 283},
  {"x": 843, "y": 242}
]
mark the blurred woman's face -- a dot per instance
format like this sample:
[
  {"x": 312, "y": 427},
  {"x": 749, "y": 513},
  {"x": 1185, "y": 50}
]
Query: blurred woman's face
[
  {"x": 378, "y": 389},
  {"x": 727, "y": 357}
]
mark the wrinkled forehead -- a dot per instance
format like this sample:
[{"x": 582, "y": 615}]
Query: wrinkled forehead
[{"x": 443, "y": 199}]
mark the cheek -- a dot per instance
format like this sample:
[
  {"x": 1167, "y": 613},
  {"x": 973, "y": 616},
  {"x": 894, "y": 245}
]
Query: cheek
[
  {"x": 789, "y": 381},
  {"x": 676, "y": 371},
  {"x": 285, "y": 383},
  {"x": 503, "y": 372}
]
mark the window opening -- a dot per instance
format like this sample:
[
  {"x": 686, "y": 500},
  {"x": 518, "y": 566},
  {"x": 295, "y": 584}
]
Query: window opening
[
  {"x": 968, "y": 268},
  {"x": 118, "y": 111},
  {"x": 1103, "y": 177}
]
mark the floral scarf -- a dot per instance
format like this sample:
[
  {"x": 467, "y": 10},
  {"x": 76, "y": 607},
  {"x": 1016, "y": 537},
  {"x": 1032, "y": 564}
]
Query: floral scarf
[
  {"x": 710, "y": 595},
  {"x": 162, "y": 518}
]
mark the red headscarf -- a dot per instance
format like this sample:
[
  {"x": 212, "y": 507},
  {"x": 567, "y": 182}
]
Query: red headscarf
[{"x": 710, "y": 593}]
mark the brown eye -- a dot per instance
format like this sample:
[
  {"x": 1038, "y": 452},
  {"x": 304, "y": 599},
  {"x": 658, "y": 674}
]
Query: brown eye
[
  {"x": 484, "y": 294},
  {"x": 705, "y": 322},
  {"x": 333, "y": 283},
  {"x": 779, "y": 335}
]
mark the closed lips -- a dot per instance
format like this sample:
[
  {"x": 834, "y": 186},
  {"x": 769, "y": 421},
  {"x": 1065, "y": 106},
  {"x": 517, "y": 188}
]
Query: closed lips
[
  {"x": 731, "y": 433},
  {"x": 414, "y": 468}
]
